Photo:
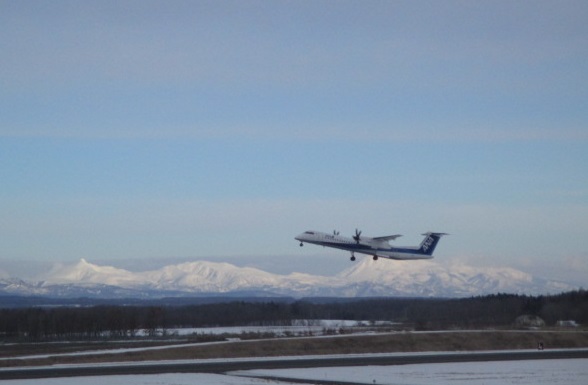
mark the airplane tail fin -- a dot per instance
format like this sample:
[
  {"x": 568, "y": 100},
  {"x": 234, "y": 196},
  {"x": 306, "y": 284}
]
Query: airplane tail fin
[{"x": 429, "y": 243}]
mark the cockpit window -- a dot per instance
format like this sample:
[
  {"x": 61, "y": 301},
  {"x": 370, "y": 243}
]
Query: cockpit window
[{"x": 309, "y": 232}]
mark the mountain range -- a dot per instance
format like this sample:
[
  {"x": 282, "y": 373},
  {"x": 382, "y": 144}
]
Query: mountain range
[{"x": 366, "y": 278}]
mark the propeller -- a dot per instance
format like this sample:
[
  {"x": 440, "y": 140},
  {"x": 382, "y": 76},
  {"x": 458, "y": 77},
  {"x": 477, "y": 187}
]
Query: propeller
[
  {"x": 357, "y": 236},
  {"x": 335, "y": 232}
]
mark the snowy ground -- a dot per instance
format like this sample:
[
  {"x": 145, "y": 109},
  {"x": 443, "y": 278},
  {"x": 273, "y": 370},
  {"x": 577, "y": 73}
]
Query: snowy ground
[
  {"x": 569, "y": 372},
  {"x": 155, "y": 379},
  {"x": 298, "y": 328}
]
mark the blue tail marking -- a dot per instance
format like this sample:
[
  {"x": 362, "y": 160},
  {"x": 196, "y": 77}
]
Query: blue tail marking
[{"x": 429, "y": 244}]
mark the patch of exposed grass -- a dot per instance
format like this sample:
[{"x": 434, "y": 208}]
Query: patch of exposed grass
[{"x": 377, "y": 343}]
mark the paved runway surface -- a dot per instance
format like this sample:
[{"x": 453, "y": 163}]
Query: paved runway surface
[{"x": 221, "y": 366}]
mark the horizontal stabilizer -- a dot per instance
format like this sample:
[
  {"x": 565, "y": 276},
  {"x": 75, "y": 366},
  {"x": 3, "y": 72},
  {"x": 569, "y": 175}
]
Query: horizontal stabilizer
[{"x": 387, "y": 238}]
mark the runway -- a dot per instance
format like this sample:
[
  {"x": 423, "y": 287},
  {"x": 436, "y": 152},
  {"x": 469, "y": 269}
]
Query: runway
[{"x": 223, "y": 366}]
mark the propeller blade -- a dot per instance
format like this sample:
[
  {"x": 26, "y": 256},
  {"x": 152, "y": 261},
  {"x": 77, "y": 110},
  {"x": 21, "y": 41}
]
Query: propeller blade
[{"x": 357, "y": 235}]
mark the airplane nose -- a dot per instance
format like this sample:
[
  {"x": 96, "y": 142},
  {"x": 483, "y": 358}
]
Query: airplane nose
[{"x": 300, "y": 237}]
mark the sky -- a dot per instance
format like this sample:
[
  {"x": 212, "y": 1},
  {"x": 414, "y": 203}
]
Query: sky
[{"x": 138, "y": 133}]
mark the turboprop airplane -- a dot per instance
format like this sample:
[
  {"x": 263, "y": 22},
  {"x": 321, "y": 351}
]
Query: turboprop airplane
[{"x": 377, "y": 247}]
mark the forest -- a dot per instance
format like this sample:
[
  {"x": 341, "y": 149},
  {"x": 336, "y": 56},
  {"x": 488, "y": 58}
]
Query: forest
[{"x": 118, "y": 321}]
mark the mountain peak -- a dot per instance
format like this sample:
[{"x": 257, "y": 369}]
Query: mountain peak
[
  {"x": 207, "y": 276},
  {"x": 84, "y": 272}
]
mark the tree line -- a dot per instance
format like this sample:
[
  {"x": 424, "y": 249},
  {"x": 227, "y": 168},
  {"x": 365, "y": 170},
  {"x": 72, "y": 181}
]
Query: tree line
[{"x": 115, "y": 321}]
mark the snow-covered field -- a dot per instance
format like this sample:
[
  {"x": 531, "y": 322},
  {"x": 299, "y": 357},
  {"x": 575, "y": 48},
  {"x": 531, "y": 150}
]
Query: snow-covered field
[
  {"x": 298, "y": 328},
  {"x": 155, "y": 379},
  {"x": 568, "y": 372}
]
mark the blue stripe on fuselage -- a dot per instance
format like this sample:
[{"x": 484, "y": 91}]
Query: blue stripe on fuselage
[{"x": 365, "y": 249}]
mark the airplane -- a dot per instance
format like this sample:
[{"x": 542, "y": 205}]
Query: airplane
[{"x": 377, "y": 247}]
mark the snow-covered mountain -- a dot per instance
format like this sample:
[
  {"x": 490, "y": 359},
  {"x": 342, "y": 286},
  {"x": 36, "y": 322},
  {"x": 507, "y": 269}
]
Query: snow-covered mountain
[
  {"x": 431, "y": 279},
  {"x": 363, "y": 279}
]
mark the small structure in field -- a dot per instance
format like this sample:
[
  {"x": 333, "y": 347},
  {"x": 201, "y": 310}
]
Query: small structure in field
[{"x": 567, "y": 324}]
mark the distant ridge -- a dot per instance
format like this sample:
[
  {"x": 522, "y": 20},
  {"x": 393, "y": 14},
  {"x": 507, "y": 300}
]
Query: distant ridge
[{"x": 366, "y": 278}]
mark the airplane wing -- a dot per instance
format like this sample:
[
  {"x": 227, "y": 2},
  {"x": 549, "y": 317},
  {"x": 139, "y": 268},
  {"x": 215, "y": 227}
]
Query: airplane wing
[{"x": 387, "y": 238}]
